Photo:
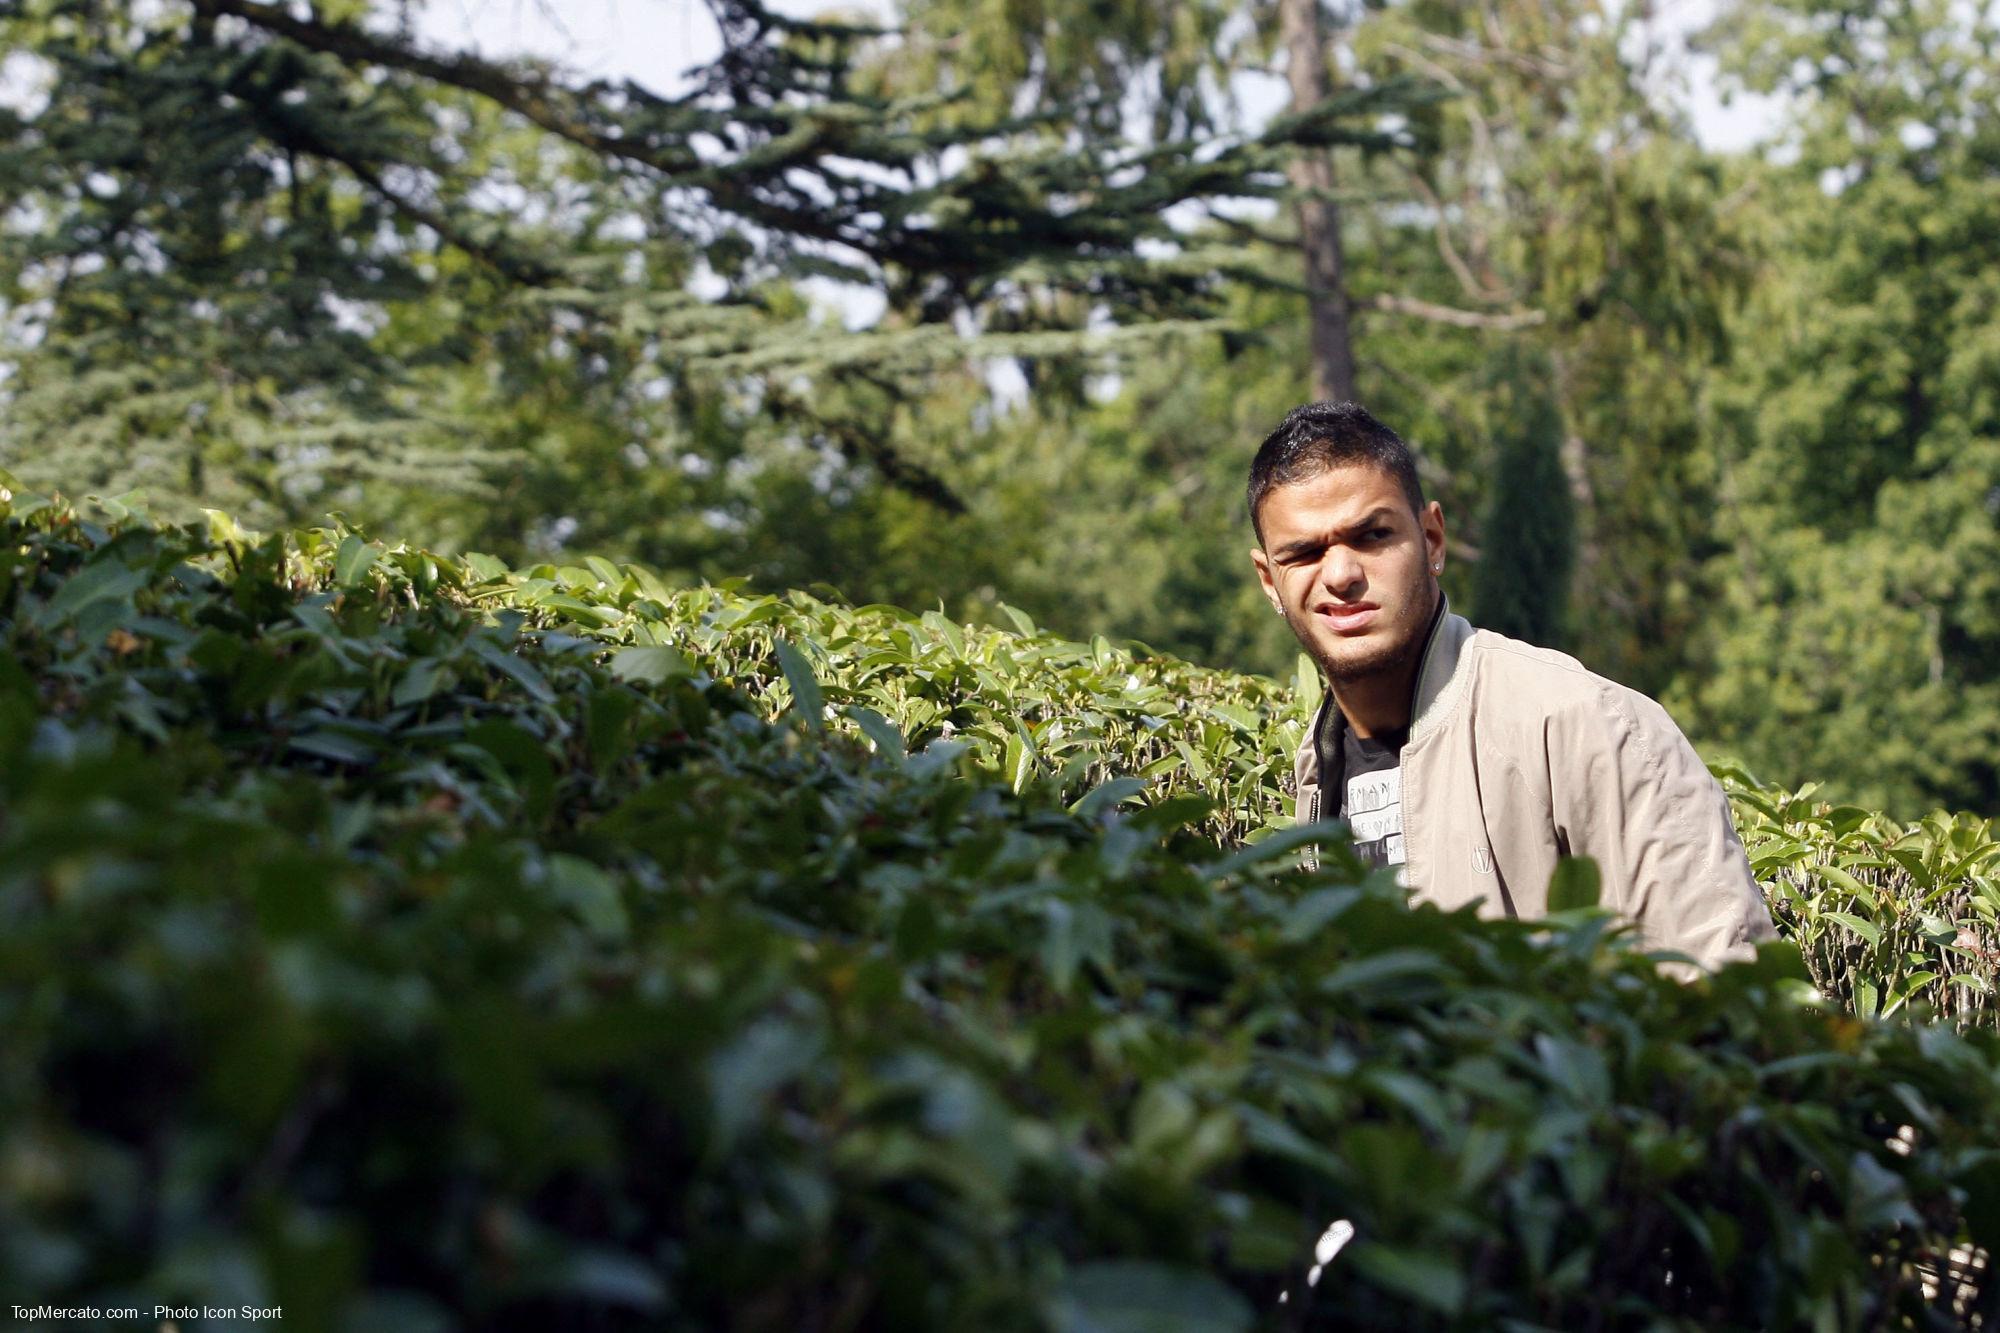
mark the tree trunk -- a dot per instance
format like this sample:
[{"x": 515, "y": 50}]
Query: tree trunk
[{"x": 1319, "y": 217}]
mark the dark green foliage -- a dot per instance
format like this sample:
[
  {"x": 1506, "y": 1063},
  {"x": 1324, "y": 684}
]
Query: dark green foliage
[
  {"x": 378, "y": 945},
  {"x": 1520, "y": 587},
  {"x": 1857, "y": 637}
]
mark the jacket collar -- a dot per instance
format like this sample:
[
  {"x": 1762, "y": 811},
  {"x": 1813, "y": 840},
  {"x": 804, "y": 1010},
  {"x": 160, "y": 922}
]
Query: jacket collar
[{"x": 1440, "y": 684}]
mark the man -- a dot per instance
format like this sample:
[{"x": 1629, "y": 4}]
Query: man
[{"x": 1471, "y": 760}]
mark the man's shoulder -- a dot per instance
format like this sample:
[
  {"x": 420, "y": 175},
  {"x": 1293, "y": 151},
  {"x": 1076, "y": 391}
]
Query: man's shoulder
[
  {"x": 1538, "y": 684},
  {"x": 1539, "y": 671}
]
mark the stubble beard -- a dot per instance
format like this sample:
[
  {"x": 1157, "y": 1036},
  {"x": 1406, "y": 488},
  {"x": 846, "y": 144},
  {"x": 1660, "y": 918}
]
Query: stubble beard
[{"x": 1383, "y": 657}]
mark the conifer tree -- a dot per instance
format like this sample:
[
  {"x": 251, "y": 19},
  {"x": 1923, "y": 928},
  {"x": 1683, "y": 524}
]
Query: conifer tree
[
  {"x": 238, "y": 223},
  {"x": 1520, "y": 584}
]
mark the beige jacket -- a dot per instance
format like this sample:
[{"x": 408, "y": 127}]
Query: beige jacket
[{"x": 1518, "y": 755}]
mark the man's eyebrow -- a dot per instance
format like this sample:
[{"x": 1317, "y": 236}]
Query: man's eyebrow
[{"x": 1301, "y": 545}]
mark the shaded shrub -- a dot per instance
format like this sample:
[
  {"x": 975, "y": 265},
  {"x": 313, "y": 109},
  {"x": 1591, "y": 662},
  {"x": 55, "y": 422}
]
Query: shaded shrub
[{"x": 388, "y": 938}]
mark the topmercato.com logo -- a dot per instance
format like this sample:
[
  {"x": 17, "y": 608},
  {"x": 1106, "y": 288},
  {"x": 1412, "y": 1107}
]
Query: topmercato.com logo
[{"x": 167, "y": 1315}]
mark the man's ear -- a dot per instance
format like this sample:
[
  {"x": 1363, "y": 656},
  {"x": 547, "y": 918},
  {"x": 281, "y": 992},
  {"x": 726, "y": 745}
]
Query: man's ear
[
  {"x": 1433, "y": 525},
  {"x": 1263, "y": 563}
]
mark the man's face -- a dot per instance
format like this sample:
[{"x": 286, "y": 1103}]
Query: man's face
[{"x": 1351, "y": 568}]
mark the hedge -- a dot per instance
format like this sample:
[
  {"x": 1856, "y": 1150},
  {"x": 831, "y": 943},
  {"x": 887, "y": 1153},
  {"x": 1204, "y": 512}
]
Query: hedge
[
  {"x": 1888, "y": 915},
  {"x": 415, "y": 944}
]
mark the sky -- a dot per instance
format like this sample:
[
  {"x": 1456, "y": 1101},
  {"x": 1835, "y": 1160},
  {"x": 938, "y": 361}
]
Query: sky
[{"x": 651, "y": 42}]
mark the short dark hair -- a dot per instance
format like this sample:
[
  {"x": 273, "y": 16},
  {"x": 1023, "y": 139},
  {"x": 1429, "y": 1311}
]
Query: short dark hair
[{"x": 1319, "y": 436}]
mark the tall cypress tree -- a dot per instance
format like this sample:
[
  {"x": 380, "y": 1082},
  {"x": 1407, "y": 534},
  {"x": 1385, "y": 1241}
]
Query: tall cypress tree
[{"x": 1520, "y": 587}]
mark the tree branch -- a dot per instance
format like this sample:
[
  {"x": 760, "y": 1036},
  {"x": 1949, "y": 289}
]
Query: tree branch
[
  {"x": 1474, "y": 287},
  {"x": 516, "y": 268},
  {"x": 534, "y": 99},
  {"x": 1249, "y": 231},
  {"x": 1444, "y": 314},
  {"x": 1541, "y": 67},
  {"x": 859, "y": 446},
  {"x": 537, "y": 100}
]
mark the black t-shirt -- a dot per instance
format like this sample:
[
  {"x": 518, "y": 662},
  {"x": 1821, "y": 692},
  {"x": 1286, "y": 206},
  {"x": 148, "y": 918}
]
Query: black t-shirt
[
  {"x": 1372, "y": 797},
  {"x": 1361, "y": 780}
]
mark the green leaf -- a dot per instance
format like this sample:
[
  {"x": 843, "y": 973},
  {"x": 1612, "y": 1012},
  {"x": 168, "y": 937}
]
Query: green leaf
[
  {"x": 1837, "y": 876},
  {"x": 336, "y": 746},
  {"x": 1575, "y": 884},
  {"x": 1020, "y": 619},
  {"x": 1876, "y": 1196},
  {"x": 1318, "y": 834},
  {"x": 1981, "y": 1185},
  {"x": 607, "y": 726},
  {"x": 356, "y": 558},
  {"x": 418, "y": 682},
  {"x": 1424, "y": 1278},
  {"x": 1317, "y": 910},
  {"x": 1029, "y": 755},
  {"x": 484, "y": 568},
  {"x": 104, "y": 580},
  {"x": 1911, "y": 986},
  {"x": 522, "y": 756},
  {"x": 1136, "y": 1296},
  {"x": 1106, "y": 795},
  {"x": 224, "y": 530},
  {"x": 1854, "y": 923},
  {"x": 1306, "y": 685},
  {"x": 1197, "y": 763},
  {"x": 807, "y": 701},
  {"x": 888, "y": 740},
  {"x": 650, "y": 664},
  {"x": 1175, "y": 812},
  {"x": 1240, "y": 717},
  {"x": 1061, "y": 950},
  {"x": 1779, "y": 960},
  {"x": 590, "y": 893},
  {"x": 514, "y": 667},
  {"x": 1382, "y": 969},
  {"x": 602, "y": 1277},
  {"x": 742, "y": 1076},
  {"x": 947, "y": 631},
  {"x": 588, "y": 614},
  {"x": 1018, "y": 763}
]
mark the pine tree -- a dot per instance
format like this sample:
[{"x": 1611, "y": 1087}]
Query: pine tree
[{"x": 256, "y": 248}]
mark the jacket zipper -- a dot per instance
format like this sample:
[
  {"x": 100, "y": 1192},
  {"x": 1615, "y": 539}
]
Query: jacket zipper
[{"x": 1312, "y": 816}]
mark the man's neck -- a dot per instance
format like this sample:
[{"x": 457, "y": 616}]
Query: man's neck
[
  {"x": 1378, "y": 705},
  {"x": 1384, "y": 703}
]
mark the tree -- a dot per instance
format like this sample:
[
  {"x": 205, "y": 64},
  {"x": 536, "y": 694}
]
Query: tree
[
  {"x": 1568, "y": 212},
  {"x": 1520, "y": 586},
  {"x": 1542, "y": 211},
  {"x": 1859, "y": 638},
  {"x": 1312, "y": 175},
  {"x": 255, "y": 246}
]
